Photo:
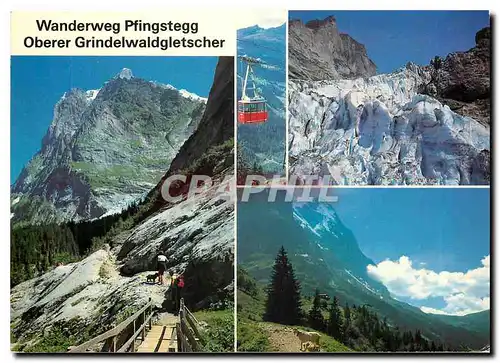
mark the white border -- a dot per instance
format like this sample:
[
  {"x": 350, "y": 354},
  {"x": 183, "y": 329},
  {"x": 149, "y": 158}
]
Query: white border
[
  {"x": 235, "y": 257},
  {"x": 143, "y": 5},
  {"x": 287, "y": 167}
]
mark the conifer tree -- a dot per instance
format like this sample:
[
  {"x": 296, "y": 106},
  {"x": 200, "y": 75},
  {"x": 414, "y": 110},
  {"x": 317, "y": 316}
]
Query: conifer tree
[
  {"x": 316, "y": 320},
  {"x": 347, "y": 323},
  {"x": 347, "y": 314},
  {"x": 283, "y": 303},
  {"x": 335, "y": 320}
]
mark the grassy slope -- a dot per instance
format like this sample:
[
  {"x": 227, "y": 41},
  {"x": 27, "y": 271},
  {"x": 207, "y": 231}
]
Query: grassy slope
[
  {"x": 254, "y": 335},
  {"x": 219, "y": 334}
]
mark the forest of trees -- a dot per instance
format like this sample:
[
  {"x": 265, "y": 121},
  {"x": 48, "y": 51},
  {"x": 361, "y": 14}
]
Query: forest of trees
[
  {"x": 244, "y": 168},
  {"x": 35, "y": 249},
  {"x": 357, "y": 327}
]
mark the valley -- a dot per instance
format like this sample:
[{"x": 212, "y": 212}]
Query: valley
[{"x": 326, "y": 257}]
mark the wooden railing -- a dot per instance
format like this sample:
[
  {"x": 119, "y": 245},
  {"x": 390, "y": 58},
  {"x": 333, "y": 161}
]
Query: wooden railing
[
  {"x": 189, "y": 338},
  {"x": 113, "y": 337}
]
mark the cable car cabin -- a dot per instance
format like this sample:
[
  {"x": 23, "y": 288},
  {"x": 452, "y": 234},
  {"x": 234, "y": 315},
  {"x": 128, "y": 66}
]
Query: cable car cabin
[{"x": 252, "y": 111}]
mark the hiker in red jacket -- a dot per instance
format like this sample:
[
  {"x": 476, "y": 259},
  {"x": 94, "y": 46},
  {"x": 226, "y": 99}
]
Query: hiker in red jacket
[{"x": 180, "y": 285}]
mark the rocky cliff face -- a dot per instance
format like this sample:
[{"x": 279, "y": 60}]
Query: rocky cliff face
[
  {"x": 380, "y": 130},
  {"x": 463, "y": 82},
  {"x": 317, "y": 51},
  {"x": 106, "y": 148},
  {"x": 217, "y": 124}
]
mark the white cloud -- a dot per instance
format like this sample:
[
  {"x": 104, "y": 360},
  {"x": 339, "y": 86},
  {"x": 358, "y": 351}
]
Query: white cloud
[
  {"x": 265, "y": 18},
  {"x": 463, "y": 293},
  {"x": 460, "y": 304}
]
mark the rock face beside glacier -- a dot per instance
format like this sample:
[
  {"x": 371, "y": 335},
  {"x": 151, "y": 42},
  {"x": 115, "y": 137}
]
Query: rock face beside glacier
[
  {"x": 106, "y": 148},
  {"x": 463, "y": 82},
  {"x": 316, "y": 51},
  {"x": 380, "y": 130}
]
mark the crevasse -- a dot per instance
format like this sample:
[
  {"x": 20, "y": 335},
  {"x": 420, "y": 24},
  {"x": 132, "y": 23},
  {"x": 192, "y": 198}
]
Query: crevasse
[{"x": 380, "y": 130}]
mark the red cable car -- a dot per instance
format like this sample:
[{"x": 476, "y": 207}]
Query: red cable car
[{"x": 251, "y": 110}]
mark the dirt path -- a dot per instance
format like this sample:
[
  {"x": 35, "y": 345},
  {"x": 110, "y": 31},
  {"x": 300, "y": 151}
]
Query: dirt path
[{"x": 282, "y": 338}]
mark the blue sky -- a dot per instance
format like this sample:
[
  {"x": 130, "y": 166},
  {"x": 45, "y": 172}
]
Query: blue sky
[
  {"x": 392, "y": 38},
  {"x": 445, "y": 228},
  {"x": 37, "y": 83},
  {"x": 438, "y": 229}
]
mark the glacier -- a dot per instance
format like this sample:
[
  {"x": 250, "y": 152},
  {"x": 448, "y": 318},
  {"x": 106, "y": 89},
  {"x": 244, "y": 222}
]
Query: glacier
[{"x": 380, "y": 130}]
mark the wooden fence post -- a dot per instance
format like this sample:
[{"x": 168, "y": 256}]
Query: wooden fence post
[
  {"x": 144, "y": 329},
  {"x": 179, "y": 334},
  {"x": 150, "y": 312},
  {"x": 133, "y": 342}
]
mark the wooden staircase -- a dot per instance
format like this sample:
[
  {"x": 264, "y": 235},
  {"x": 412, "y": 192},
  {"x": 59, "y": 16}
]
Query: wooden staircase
[
  {"x": 161, "y": 338},
  {"x": 137, "y": 334}
]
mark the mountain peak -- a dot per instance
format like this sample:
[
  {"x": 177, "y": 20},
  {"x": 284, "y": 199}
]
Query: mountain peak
[
  {"x": 317, "y": 23},
  {"x": 318, "y": 51},
  {"x": 125, "y": 73}
]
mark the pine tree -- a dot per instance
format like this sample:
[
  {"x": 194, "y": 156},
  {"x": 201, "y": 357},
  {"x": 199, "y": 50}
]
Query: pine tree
[
  {"x": 418, "y": 340},
  {"x": 346, "y": 328},
  {"x": 283, "y": 303},
  {"x": 347, "y": 315},
  {"x": 335, "y": 320},
  {"x": 316, "y": 320}
]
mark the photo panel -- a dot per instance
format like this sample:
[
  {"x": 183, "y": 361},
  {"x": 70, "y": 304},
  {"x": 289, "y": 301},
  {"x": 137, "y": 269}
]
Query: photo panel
[
  {"x": 122, "y": 167},
  {"x": 389, "y": 97},
  {"x": 363, "y": 270},
  {"x": 261, "y": 93}
]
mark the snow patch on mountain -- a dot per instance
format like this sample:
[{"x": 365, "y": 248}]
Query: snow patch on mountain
[
  {"x": 362, "y": 282},
  {"x": 125, "y": 73},
  {"x": 192, "y": 96},
  {"x": 184, "y": 93},
  {"x": 304, "y": 223},
  {"x": 91, "y": 94},
  {"x": 324, "y": 222}
]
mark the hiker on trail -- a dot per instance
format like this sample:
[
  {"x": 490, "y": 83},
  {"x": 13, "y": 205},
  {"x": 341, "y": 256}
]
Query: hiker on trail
[
  {"x": 180, "y": 286},
  {"x": 162, "y": 266},
  {"x": 173, "y": 277}
]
